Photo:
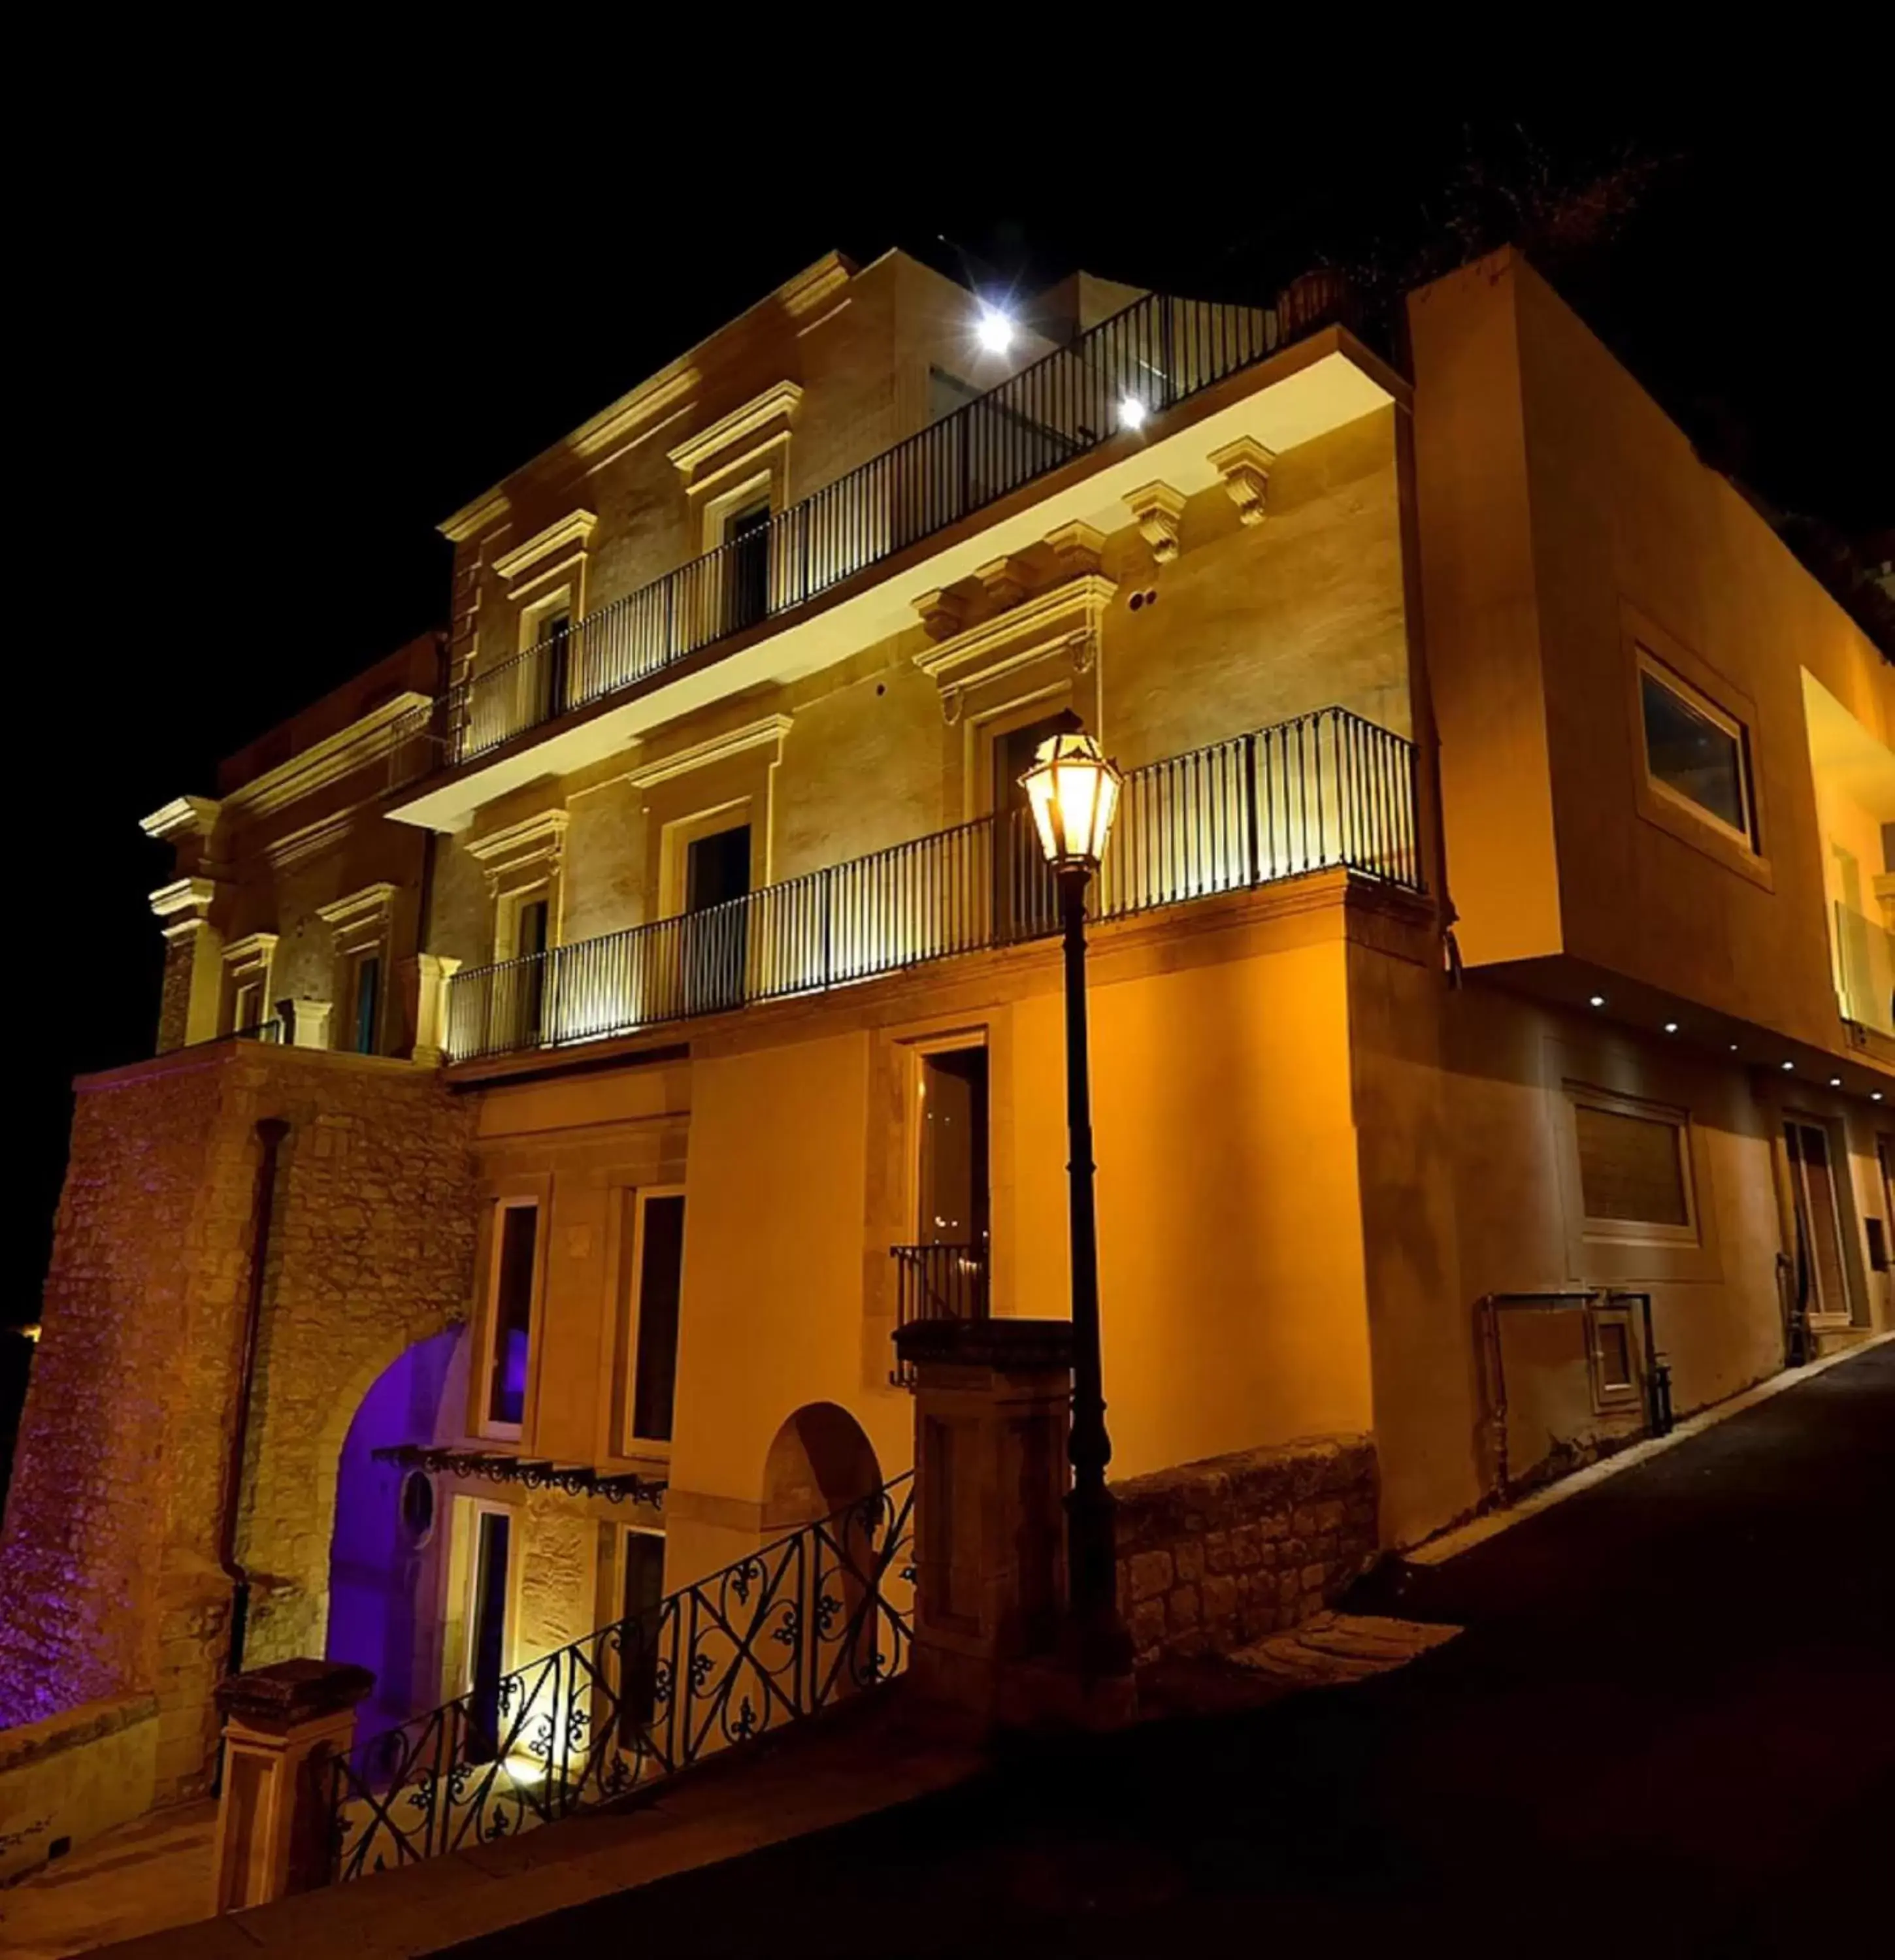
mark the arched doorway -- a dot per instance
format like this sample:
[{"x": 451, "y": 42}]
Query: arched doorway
[
  {"x": 390, "y": 1539},
  {"x": 820, "y": 1462},
  {"x": 819, "y": 1468}
]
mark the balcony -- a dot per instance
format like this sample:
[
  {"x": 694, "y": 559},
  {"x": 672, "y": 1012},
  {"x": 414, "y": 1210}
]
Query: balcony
[
  {"x": 1865, "y": 969},
  {"x": 937, "y": 1282},
  {"x": 1324, "y": 791},
  {"x": 1108, "y": 391}
]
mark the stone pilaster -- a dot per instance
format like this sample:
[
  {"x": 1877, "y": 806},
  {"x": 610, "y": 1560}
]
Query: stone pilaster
[{"x": 192, "y": 988}]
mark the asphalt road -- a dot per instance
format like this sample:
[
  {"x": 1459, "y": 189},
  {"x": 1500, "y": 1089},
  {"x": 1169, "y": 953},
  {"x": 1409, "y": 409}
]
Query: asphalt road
[{"x": 1669, "y": 1727}]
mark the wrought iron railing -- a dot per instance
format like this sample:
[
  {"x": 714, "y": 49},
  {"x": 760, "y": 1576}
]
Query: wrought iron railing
[
  {"x": 1324, "y": 790},
  {"x": 937, "y": 1283},
  {"x": 1159, "y": 351},
  {"x": 819, "y": 1616}
]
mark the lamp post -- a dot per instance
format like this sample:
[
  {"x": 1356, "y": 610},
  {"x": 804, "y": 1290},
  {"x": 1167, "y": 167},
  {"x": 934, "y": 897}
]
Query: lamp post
[{"x": 1074, "y": 793}]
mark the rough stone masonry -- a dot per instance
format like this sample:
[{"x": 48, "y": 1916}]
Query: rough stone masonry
[{"x": 109, "y": 1580}]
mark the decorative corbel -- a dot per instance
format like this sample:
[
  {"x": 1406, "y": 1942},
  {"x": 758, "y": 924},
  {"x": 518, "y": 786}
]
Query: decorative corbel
[
  {"x": 1076, "y": 548},
  {"x": 1158, "y": 511},
  {"x": 1245, "y": 466},
  {"x": 943, "y": 615},
  {"x": 1005, "y": 581}
]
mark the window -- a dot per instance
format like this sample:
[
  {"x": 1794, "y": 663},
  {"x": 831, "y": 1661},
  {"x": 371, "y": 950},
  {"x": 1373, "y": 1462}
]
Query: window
[
  {"x": 715, "y": 946},
  {"x": 515, "y": 1263},
  {"x": 1609, "y": 1342},
  {"x": 1634, "y": 1169},
  {"x": 486, "y": 1622},
  {"x": 368, "y": 1003},
  {"x": 248, "y": 1009},
  {"x": 1695, "y": 753},
  {"x": 656, "y": 1289},
  {"x": 639, "y": 1598},
  {"x": 746, "y": 566}
]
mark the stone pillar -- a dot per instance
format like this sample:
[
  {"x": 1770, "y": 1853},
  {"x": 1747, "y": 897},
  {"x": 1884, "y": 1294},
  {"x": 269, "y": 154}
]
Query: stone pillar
[
  {"x": 283, "y": 1725},
  {"x": 193, "y": 963},
  {"x": 305, "y": 1023},
  {"x": 992, "y": 1409},
  {"x": 431, "y": 973}
]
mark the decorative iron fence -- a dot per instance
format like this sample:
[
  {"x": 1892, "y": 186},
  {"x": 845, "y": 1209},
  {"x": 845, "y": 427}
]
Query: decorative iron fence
[
  {"x": 821, "y": 1615},
  {"x": 1159, "y": 351},
  {"x": 1324, "y": 790},
  {"x": 937, "y": 1283}
]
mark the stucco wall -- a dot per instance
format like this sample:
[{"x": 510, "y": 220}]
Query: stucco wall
[
  {"x": 110, "y": 1582},
  {"x": 1561, "y": 513}
]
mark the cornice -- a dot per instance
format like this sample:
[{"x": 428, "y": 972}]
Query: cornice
[
  {"x": 576, "y": 528},
  {"x": 358, "y": 907},
  {"x": 618, "y": 425},
  {"x": 326, "y": 762},
  {"x": 482, "y": 514},
  {"x": 540, "y": 835},
  {"x": 815, "y": 285},
  {"x": 760, "y": 415},
  {"x": 184, "y": 896},
  {"x": 183, "y": 816},
  {"x": 1046, "y": 623},
  {"x": 256, "y": 949},
  {"x": 753, "y": 735}
]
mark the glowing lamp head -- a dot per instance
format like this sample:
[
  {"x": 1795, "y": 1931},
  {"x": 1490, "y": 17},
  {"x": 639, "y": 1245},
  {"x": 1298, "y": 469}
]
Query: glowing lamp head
[
  {"x": 1074, "y": 793},
  {"x": 1131, "y": 412},
  {"x": 993, "y": 330}
]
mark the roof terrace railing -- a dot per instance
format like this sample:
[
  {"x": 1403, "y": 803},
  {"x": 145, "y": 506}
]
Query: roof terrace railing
[
  {"x": 1327, "y": 789},
  {"x": 1159, "y": 351}
]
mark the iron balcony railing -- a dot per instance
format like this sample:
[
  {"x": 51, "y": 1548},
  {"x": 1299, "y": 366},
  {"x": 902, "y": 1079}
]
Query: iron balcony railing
[
  {"x": 813, "y": 1619},
  {"x": 1158, "y": 351},
  {"x": 937, "y": 1283},
  {"x": 1324, "y": 791}
]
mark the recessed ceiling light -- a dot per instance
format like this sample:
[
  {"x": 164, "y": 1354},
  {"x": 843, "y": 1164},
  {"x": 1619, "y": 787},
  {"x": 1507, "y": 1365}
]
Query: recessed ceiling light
[
  {"x": 1131, "y": 412},
  {"x": 1835, "y": 1082},
  {"x": 995, "y": 330},
  {"x": 1734, "y": 1048},
  {"x": 1787, "y": 1066},
  {"x": 1875, "y": 1096},
  {"x": 1670, "y": 1027},
  {"x": 1598, "y": 1001}
]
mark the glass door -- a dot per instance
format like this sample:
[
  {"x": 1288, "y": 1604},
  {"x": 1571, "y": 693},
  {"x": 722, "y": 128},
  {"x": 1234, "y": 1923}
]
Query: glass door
[{"x": 1822, "y": 1269}]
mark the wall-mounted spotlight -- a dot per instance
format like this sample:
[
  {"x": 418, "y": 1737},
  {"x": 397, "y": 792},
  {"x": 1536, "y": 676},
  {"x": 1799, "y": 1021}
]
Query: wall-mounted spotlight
[
  {"x": 1131, "y": 412},
  {"x": 994, "y": 330}
]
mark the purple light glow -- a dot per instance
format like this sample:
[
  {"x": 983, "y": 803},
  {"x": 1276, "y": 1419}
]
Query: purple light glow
[{"x": 381, "y": 1582}]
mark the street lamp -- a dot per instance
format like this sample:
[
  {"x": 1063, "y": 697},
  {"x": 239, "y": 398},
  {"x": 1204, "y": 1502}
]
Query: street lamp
[{"x": 1074, "y": 793}]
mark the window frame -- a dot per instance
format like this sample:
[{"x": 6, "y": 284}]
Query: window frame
[
  {"x": 481, "y": 1423},
  {"x": 1614, "y": 1398},
  {"x": 1748, "y": 839},
  {"x": 1596, "y": 1231},
  {"x": 626, "y": 1441}
]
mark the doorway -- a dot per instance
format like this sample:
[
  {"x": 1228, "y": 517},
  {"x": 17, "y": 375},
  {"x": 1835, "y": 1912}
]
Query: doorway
[
  {"x": 1026, "y": 897},
  {"x": 530, "y": 930},
  {"x": 944, "y": 1274},
  {"x": 487, "y": 1632},
  {"x": 1816, "y": 1167},
  {"x": 746, "y": 567},
  {"x": 641, "y": 1594},
  {"x": 716, "y": 929}
]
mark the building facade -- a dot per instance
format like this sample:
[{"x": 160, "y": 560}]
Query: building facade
[{"x": 587, "y": 1037}]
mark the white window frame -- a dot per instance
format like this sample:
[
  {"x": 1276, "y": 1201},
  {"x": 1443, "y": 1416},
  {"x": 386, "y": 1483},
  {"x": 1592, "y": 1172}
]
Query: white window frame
[
  {"x": 1668, "y": 677},
  {"x": 625, "y": 1439},
  {"x": 484, "y": 1425},
  {"x": 1611, "y": 1398},
  {"x": 1634, "y": 1231}
]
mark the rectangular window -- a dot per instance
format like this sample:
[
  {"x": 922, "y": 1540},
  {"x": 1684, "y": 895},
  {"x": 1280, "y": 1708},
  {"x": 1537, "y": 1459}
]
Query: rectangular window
[
  {"x": 515, "y": 1263},
  {"x": 657, "y": 1282},
  {"x": 1633, "y": 1160},
  {"x": 642, "y": 1594},
  {"x": 1615, "y": 1379},
  {"x": 1695, "y": 753},
  {"x": 368, "y": 1003},
  {"x": 487, "y": 1634}
]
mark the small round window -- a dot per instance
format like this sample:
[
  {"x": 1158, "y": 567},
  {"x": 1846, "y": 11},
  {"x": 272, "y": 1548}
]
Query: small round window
[{"x": 417, "y": 1505}]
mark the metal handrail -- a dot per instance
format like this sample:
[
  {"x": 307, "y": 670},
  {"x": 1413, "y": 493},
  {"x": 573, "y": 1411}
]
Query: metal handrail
[
  {"x": 1322, "y": 791},
  {"x": 1159, "y": 351},
  {"x": 823, "y": 1614},
  {"x": 938, "y": 1282}
]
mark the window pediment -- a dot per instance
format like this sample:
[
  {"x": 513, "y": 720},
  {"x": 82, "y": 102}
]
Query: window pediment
[{"x": 1061, "y": 622}]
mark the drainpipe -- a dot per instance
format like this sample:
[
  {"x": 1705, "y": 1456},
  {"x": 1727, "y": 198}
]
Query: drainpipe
[{"x": 270, "y": 1133}]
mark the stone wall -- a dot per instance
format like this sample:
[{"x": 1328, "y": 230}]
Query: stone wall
[
  {"x": 1216, "y": 1553},
  {"x": 68, "y": 1779},
  {"x": 109, "y": 1578}
]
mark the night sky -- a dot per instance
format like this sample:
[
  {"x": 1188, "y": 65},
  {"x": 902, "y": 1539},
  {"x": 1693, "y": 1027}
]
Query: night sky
[{"x": 285, "y": 339}]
